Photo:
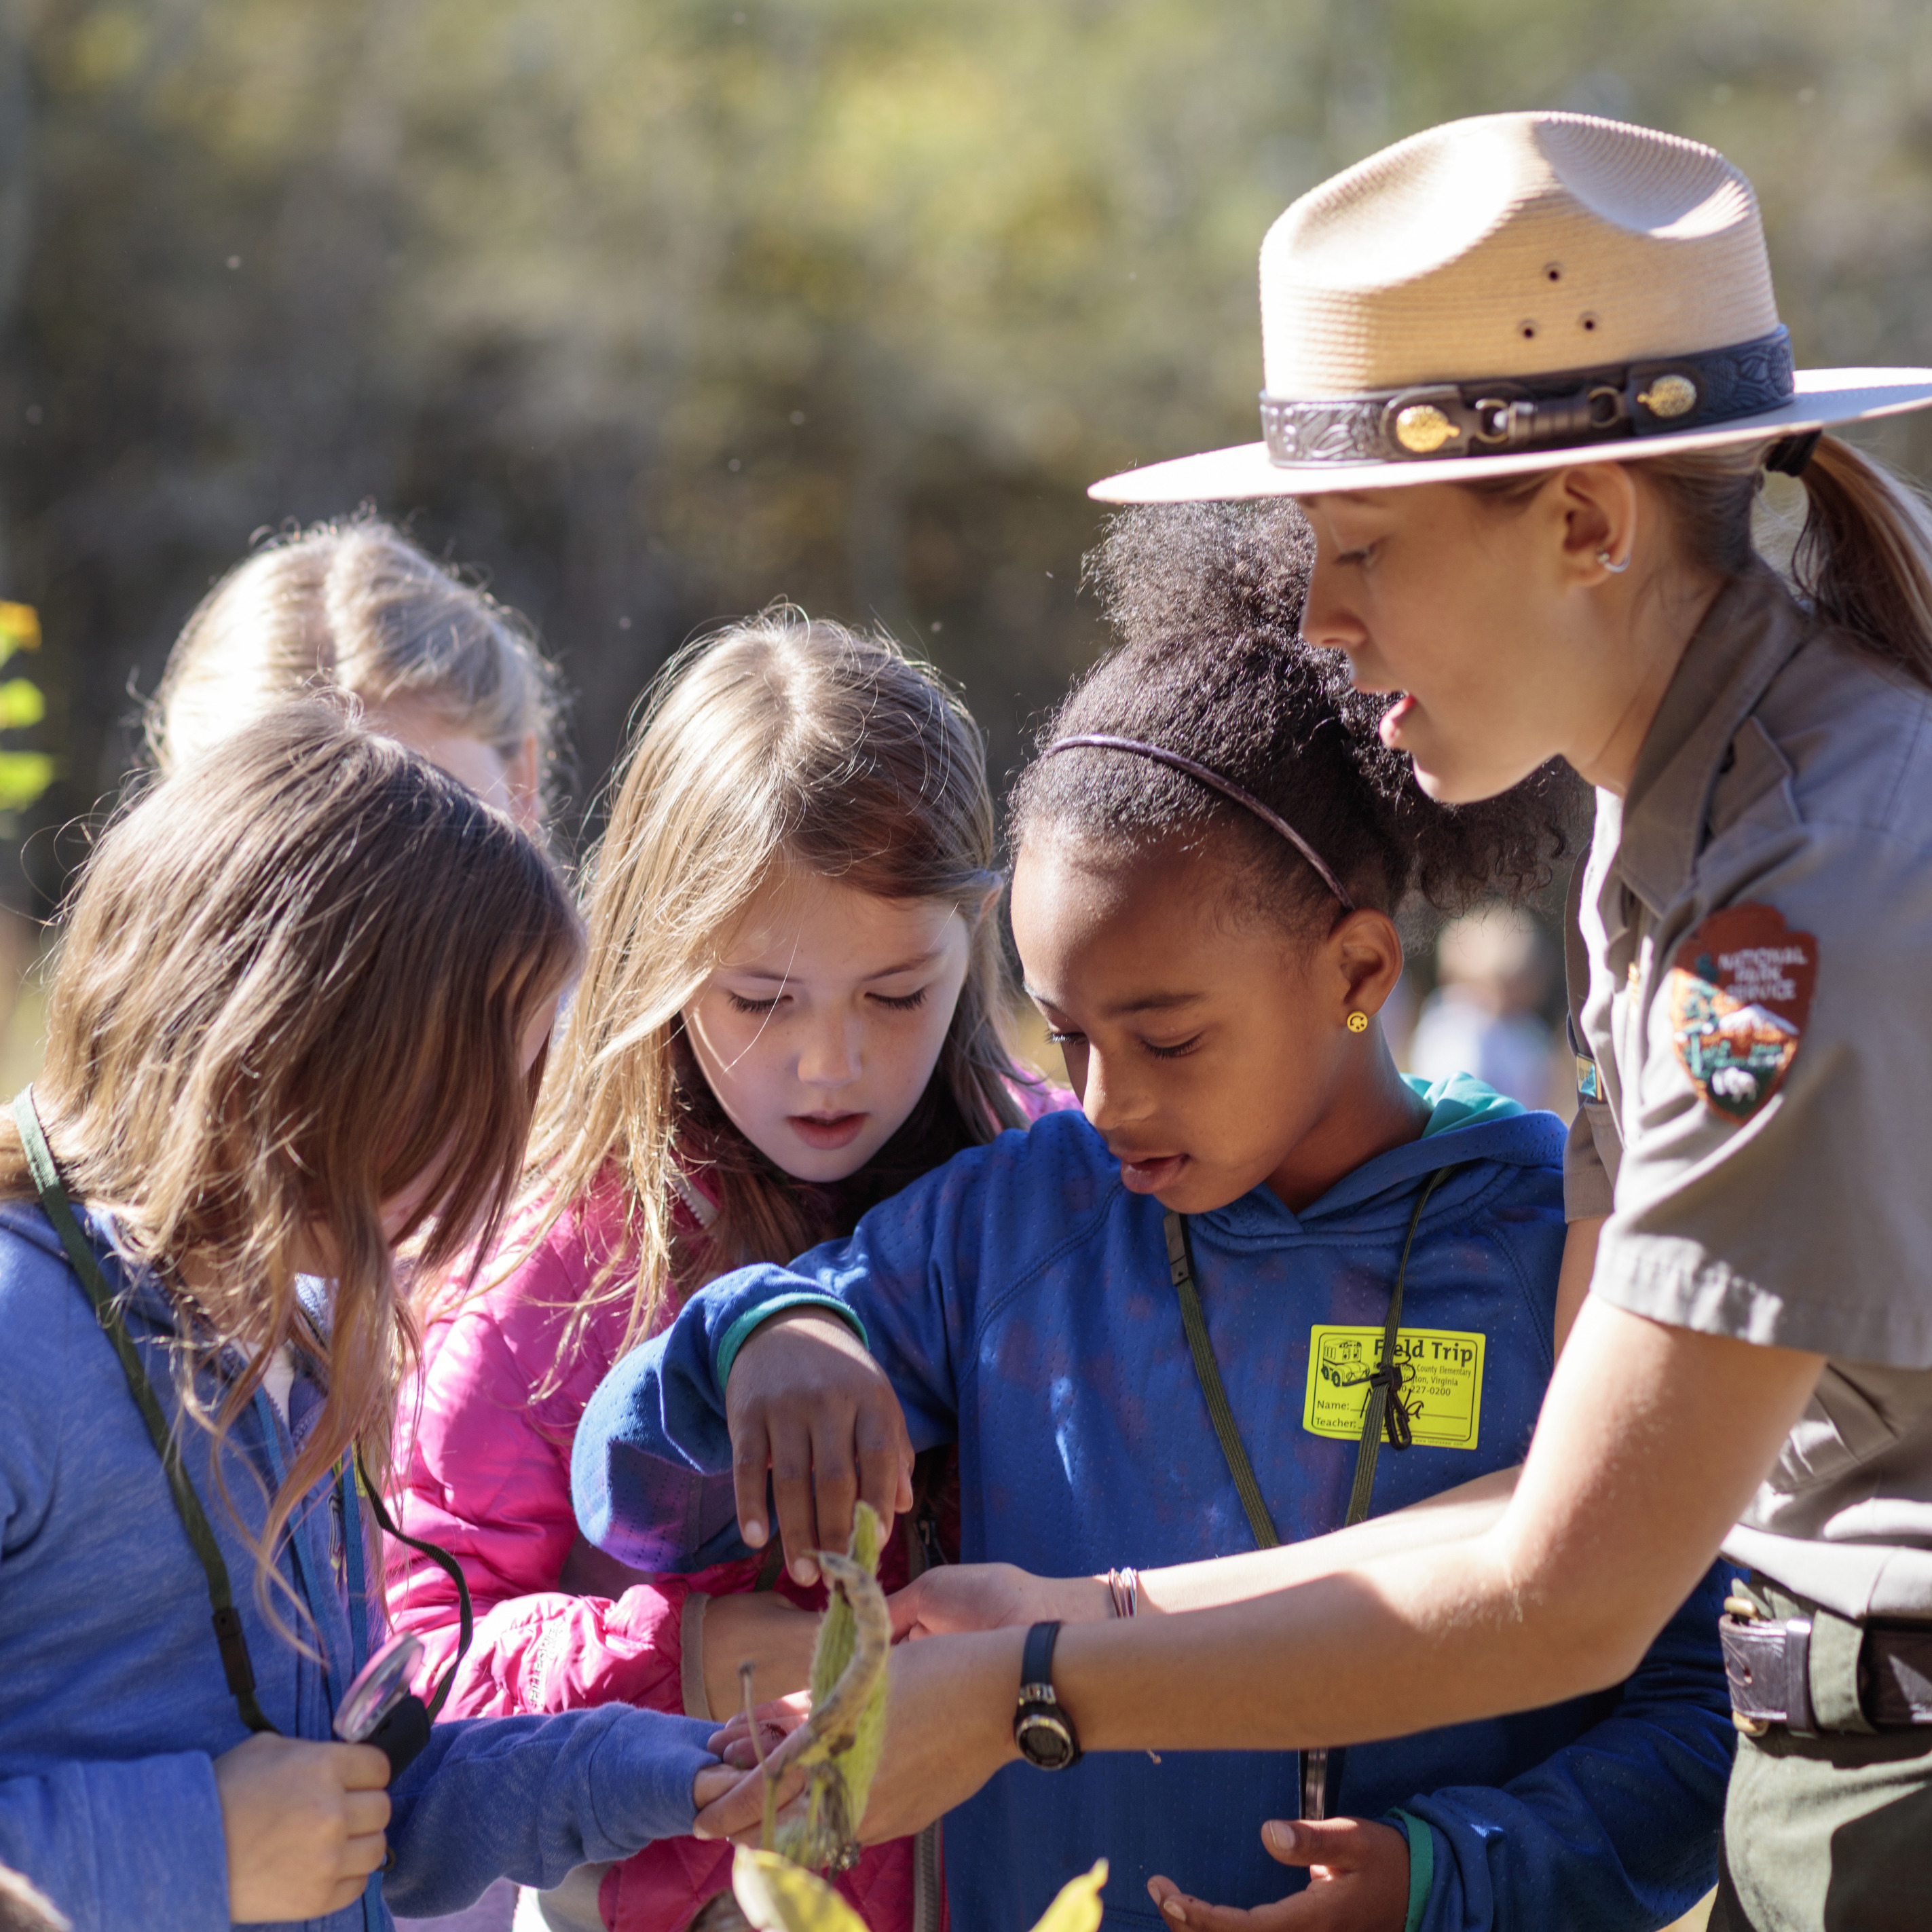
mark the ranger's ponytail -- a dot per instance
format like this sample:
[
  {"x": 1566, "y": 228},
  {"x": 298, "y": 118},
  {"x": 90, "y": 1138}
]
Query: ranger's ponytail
[{"x": 1864, "y": 559}]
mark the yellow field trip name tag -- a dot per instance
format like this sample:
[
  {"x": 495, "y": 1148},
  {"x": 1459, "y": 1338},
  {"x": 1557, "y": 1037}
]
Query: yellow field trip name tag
[{"x": 1441, "y": 1383}]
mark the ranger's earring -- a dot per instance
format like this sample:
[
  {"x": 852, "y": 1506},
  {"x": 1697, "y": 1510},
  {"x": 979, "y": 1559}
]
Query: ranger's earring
[
  {"x": 1358, "y": 1022},
  {"x": 1615, "y": 569}
]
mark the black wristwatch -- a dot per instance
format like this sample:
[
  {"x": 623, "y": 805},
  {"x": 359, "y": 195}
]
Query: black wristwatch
[{"x": 1042, "y": 1730}]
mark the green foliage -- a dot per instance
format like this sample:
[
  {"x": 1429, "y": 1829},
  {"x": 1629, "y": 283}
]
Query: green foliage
[
  {"x": 21, "y": 704},
  {"x": 24, "y": 775},
  {"x": 19, "y": 631},
  {"x": 665, "y": 310}
]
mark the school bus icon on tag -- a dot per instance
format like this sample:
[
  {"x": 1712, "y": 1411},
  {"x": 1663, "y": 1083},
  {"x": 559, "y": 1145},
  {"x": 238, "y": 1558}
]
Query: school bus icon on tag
[{"x": 1442, "y": 1385}]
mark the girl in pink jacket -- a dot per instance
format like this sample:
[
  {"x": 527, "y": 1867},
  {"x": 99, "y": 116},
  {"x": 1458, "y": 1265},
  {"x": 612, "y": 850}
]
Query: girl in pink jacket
[{"x": 791, "y": 1009}]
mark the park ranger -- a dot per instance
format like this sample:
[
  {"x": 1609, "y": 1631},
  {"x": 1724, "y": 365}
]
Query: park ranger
[{"x": 1527, "y": 375}]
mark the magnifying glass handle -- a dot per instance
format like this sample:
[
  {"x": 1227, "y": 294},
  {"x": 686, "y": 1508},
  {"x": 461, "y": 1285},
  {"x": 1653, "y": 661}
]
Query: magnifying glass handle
[{"x": 402, "y": 1734}]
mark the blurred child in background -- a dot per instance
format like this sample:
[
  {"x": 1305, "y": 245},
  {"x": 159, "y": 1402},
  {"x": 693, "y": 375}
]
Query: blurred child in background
[
  {"x": 355, "y": 606},
  {"x": 1493, "y": 973},
  {"x": 792, "y": 1007}
]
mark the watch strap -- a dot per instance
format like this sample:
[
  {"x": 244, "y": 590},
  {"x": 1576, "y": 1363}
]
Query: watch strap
[{"x": 1036, "y": 1660}]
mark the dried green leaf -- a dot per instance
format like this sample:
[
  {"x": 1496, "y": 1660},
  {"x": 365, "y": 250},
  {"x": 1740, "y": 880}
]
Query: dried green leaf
[{"x": 847, "y": 1725}]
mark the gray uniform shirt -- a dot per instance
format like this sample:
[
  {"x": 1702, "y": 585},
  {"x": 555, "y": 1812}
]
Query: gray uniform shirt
[{"x": 1750, "y": 972}]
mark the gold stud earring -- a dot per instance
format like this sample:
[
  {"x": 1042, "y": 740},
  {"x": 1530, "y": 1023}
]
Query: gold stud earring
[{"x": 1358, "y": 1022}]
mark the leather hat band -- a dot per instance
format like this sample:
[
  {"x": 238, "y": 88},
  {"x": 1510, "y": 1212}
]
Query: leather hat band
[{"x": 1569, "y": 406}]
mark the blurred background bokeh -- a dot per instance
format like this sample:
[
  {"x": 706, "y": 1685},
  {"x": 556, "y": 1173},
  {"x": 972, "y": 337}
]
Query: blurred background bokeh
[{"x": 655, "y": 310}]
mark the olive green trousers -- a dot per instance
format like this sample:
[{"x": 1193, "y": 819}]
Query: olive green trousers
[{"x": 1831, "y": 1831}]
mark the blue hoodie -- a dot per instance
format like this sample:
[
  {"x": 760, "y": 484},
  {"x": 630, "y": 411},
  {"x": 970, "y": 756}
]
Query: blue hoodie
[
  {"x": 1019, "y": 1299},
  {"x": 115, "y": 1704}
]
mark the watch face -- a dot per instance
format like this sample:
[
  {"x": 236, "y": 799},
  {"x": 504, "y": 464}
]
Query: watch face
[{"x": 1045, "y": 1740}]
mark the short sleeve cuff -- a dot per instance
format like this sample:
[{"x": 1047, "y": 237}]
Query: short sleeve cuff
[
  {"x": 1588, "y": 1188},
  {"x": 1421, "y": 1837},
  {"x": 1673, "y": 1279},
  {"x": 741, "y": 1331}
]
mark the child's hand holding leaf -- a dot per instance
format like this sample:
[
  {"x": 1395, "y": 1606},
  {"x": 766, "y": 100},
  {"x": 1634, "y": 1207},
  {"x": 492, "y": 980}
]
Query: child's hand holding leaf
[{"x": 809, "y": 1408}]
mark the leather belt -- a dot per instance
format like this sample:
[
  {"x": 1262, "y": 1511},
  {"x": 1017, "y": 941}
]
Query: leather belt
[{"x": 1768, "y": 1661}]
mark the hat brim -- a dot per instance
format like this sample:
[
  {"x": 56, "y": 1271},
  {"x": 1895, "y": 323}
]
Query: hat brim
[{"x": 1824, "y": 396}]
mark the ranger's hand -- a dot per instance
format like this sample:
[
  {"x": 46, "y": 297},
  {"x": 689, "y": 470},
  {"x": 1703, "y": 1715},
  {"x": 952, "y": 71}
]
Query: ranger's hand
[
  {"x": 949, "y": 1727},
  {"x": 807, "y": 1406}
]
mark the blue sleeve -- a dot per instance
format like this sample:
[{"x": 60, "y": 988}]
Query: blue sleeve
[
  {"x": 113, "y": 1842},
  {"x": 120, "y": 1843},
  {"x": 650, "y": 1471},
  {"x": 1617, "y": 1832},
  {"x": 531, "y": 1799}
]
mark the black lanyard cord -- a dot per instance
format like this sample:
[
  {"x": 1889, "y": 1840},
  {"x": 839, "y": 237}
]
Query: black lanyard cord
[
  {"x": 444, "y": 1561},
  {"x": 1207, "y": 1372},
  {"x": 1383, "y": 1410},
  {"x": 230, "y": 1637},
  {"x": 1385, "y": 1404}
]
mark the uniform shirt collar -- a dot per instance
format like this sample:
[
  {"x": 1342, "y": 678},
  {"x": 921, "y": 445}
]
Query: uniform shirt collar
[{"x": 1748, "y": 635}]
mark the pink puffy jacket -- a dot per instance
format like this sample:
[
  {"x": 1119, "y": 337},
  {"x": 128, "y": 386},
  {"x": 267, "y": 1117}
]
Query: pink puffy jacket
[{"x": 485, "y": 1467}]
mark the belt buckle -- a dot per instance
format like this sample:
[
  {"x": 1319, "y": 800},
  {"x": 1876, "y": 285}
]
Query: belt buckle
[{"x": 1789, "y": 1701}]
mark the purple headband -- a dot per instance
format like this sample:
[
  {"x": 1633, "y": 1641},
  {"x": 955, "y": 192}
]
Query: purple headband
[{"x": 1225, "y": 787}]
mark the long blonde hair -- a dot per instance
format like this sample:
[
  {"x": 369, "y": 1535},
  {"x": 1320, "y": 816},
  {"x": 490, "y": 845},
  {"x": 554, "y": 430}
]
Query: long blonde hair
[
  {"x": 356, "y": 605},
  {"x": 781, "y": 742},
  {"x": 296, "y": 978}
]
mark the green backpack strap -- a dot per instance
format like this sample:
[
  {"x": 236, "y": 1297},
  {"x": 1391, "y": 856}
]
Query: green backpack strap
[{"x": 229, "y": 1635}]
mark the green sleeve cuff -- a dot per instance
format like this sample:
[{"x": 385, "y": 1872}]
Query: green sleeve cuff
[
  {"x": 740, "y": 1331},
  {"x": 1421, "y": 1837}
]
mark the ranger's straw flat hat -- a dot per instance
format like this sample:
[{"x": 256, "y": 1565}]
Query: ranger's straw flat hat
[{"x": 1509, "y": 293}]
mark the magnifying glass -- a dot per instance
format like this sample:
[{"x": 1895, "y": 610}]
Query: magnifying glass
[{"x": 379, "y": 1709}]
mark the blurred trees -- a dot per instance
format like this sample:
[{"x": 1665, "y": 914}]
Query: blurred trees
[{"x": 658, "y": 309}]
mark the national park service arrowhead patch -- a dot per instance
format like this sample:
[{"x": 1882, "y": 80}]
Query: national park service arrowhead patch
[{"x": 1741, "y": 989}]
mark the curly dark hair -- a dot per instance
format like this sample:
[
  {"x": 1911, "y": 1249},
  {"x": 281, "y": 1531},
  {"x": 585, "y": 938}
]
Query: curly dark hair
[{"x": 1207, "y": 599}]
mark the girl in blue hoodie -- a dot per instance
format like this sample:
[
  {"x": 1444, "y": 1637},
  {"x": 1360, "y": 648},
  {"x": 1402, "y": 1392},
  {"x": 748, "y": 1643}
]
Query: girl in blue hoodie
[
  {"x": 299, "y": 1021},
  {"x": 1262, "y": 1284}
]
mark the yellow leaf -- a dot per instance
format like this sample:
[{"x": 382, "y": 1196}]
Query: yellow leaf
[
  {"x": 24, "y": 775},
  {"x": 1077, "y": 1907},
  {"x": 778, "y": 1896},
  {"x": 21, "y": 704},
  {"x": 20, "y": 629}
]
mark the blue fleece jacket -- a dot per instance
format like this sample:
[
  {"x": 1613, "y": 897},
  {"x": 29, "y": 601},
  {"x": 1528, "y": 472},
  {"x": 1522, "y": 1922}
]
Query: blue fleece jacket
[
  {"x": 113, "y": 1704},
  {"x": 1020, "y": 1299}
]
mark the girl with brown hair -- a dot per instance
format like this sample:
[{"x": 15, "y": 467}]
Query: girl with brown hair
[
  {"x": 298, "y": 1022},
  {"x": 791, "y": 1007}
]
